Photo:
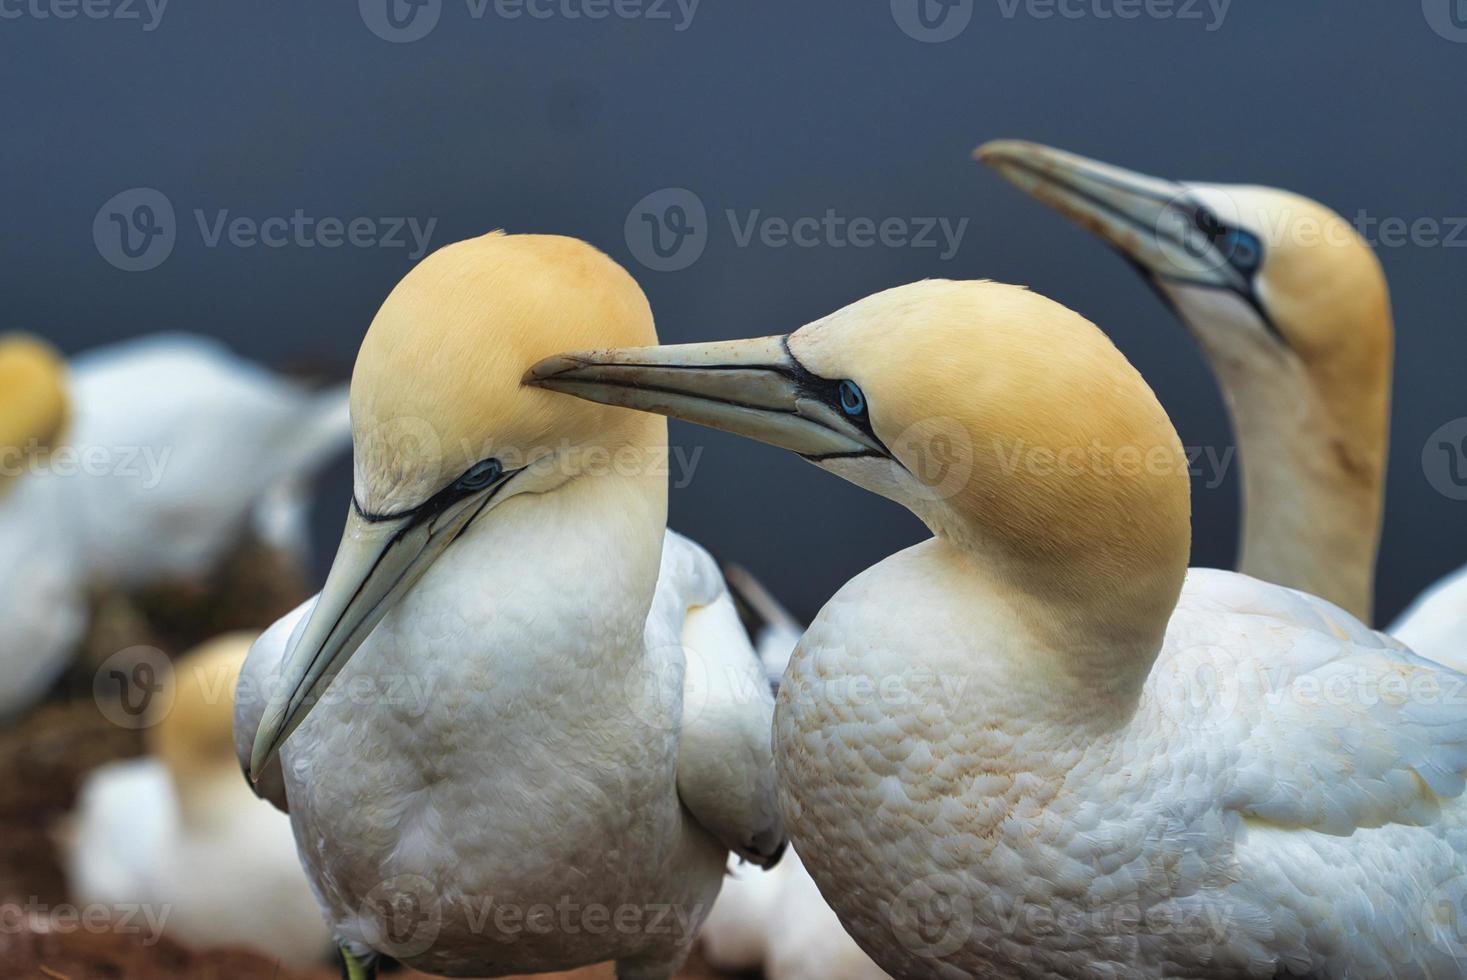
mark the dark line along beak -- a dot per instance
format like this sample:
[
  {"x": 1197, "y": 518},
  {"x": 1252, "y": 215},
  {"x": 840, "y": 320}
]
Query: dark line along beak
[
  {"x": 752, "y": 388},
  {"x": 1157, "y": 224},
  {"x": 379, "y": 559}
]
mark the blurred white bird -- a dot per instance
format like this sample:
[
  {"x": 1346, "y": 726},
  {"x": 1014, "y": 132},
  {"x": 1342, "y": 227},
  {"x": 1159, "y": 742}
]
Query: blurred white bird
[
  {"x": 579, "y": 729},
  {"x": 180, "y": 832},
  {"x": 1035, "y": 745},
  {"x": 161, "y": 453},
  {"x": 1292, "y": 309},
  {"x": 774, "y": 920}
]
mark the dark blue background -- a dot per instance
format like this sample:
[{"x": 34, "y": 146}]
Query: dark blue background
[{"x": 792, "y": 108}]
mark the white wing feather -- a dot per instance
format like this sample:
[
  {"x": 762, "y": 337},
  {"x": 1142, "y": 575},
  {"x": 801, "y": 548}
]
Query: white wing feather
[
  {"x": 1311, "y": 719},
  {"x": 725, "y": 771}
]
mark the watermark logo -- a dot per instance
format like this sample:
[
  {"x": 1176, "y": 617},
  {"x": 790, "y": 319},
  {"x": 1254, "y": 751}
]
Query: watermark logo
[
  {"x": 1444, "y": 460},
  {"x": 1212, "y": 13},
  {"x": 932, "y": 21},
  {"x": 932, "y": 916},
  {"x": 97, "y": 919},
  {"x": 133, "y": 689},
  {"x": 405, "y": 21},
  {"x": 136, "y": 229},
  {"x": 938, "y": 451},
  {"x": 402, "y": 916},
  {"x": 668, "y": 229},
  {"x": 1448, "y": 18},
  {"x": 400, "y": 21}
]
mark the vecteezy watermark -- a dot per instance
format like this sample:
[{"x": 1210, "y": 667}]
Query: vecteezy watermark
[
  {"x": 1205, "y": 463},
  {"x": 405, "y": 21},
  {"x": 1210, "y": 13},
  {"x": 668, "y": 230},
  {"x": 134, "y": 687},
  {"x": 1444, "y": 459},
  {"x": 404, "y": 915},
  {"x": 935, "y": 916},
  {"x": 1449, "y": 231},
  {"x": 145, "y": 464},
  {"x": 136, "y": 230},
  {"x": 146, "y": 13},
  {"x": 1448, "y": 18},
  {"x": 1219, "y": 233},
  {"x": 123, "y": 918},
  {"x": 935, "y": 21}
]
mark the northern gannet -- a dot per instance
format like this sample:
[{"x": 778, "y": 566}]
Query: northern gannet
[
  {"x": 1293, "y": 312},
  {"x": 1291, "y": 308},
  {"x": 138, "y": 465},
  {"x": 179, "y": 831},
  {"x": 1035, "y": 744},
  {"x": 551, "y": 734}
]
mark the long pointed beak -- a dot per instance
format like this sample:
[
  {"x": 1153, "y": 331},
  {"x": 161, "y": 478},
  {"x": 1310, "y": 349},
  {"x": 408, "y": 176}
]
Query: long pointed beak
[
  {"x": 378, "y": 561},
  {"x": 752, "y": 388},
  {"x": 1155, "y": 223}
]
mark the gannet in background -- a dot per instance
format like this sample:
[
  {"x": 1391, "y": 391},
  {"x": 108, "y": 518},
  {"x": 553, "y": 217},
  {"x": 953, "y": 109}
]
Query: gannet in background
[
  {"x": 517, "y": 726},
  {"x": 776, "y": 922},
  {"x": 1035, "y": 745},
  {"x": 179, "y": 831},
  {"x": 774, "y": 919},
  {"x": 162, "y": 453},
  {"x": 1291, "y": 308},
  {"x": 43, "y": 611}
]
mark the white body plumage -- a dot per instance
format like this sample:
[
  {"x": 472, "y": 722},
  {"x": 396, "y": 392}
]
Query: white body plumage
[{"x": 1248, "y": 816}]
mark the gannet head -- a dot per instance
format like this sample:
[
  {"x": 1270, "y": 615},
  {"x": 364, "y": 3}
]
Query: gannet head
[
  {"x": 1273, "y": 285},
  {"x": 1009, "y": 424},
  {"x": 443, "y": 432},
  {"x": 194, "y": 737},
  {"x": 33, "y": 399}
]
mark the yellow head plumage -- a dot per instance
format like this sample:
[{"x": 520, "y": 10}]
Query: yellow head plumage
[
  {"x": 194, "y": 732},
  {"x": 33, "y": 402},
  {"x": 1033, "y": 439},
  {"x": 1325, "y": 293},
  {"x": 437, "y": 382}
]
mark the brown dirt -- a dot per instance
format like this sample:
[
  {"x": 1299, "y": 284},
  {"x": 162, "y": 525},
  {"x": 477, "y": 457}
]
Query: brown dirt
[{"x": 86, "y": 955}]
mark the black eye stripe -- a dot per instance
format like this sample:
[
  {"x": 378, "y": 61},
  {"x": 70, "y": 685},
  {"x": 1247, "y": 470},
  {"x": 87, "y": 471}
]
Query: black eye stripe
[{"x": 485, "y": 473}]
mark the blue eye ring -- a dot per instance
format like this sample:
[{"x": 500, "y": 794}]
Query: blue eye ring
[
  {"x": 1243, "y": 250},
  {"x": 480, "y": 475},
  {"x": 852, "y": 401}
]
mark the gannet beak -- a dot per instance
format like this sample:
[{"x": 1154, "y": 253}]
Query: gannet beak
[
  {"x": 754, "y": 388},
  {"x": 379, "y": 559},
  {"x": 1157, "y": 224}
]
